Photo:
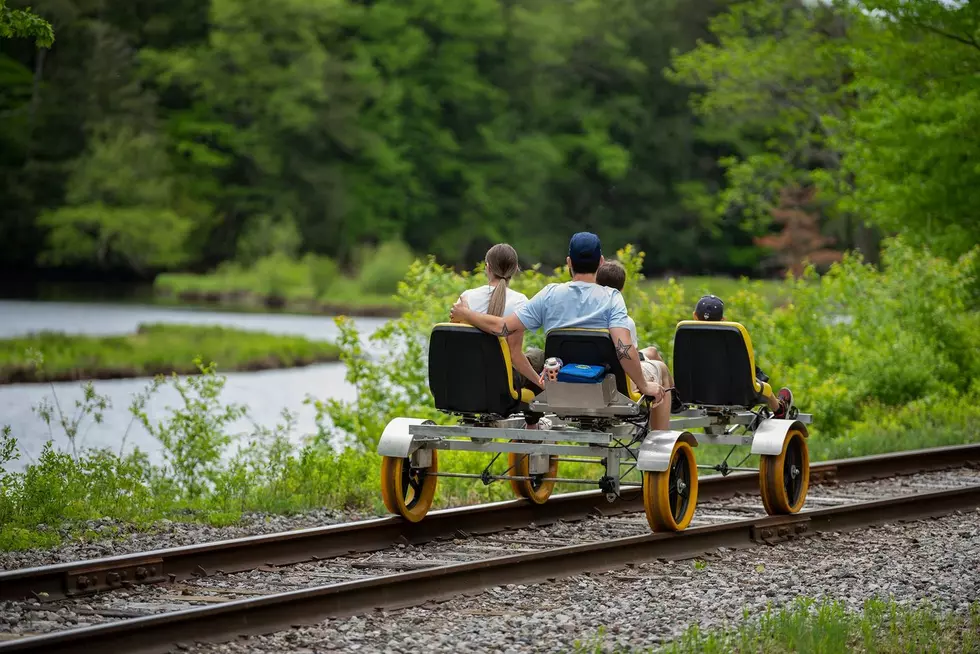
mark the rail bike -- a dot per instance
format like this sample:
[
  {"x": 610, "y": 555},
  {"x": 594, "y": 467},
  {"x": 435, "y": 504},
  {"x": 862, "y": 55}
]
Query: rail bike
[{"x": 603, "y": 423}]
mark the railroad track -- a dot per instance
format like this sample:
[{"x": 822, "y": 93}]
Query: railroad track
[
  {"x": 609, "y": 541},
  {"x": 221, "y": 557}
]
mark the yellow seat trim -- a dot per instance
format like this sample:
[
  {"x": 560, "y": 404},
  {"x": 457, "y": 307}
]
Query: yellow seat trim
[
  {"x": 526, "y": 394},
  {"x": 760, "y": 387},
  {"x": 634, "y": 394}
]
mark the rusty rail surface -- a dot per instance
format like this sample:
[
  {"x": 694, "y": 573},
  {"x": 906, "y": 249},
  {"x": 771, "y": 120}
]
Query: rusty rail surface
[
  {"x": 160, "y": 633},
  {"x": 176, "y": 564}
]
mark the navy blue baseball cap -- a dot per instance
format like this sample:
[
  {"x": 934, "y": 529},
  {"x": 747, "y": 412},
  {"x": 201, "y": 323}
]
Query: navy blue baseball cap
[
  {"x": 584, "y": 247},
  {"x": 710, "y": 307}
]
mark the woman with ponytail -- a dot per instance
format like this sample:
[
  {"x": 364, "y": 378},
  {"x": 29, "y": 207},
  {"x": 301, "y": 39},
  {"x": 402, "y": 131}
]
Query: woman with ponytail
[{"x": 498, "y": 299}]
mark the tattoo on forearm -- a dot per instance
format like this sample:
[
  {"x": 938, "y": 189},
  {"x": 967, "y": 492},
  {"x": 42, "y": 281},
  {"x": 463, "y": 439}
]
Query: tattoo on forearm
[
  {"x": 623, "y": 350},
  {"x": 504, "y": 332}
]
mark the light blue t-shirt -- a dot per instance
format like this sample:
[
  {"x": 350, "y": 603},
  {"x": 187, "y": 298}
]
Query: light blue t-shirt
[{"x": 574, "y": 304}]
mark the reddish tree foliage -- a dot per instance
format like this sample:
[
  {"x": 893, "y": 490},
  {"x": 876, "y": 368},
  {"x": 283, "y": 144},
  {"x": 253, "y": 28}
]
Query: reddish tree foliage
[{"x": 800, "y": 240}]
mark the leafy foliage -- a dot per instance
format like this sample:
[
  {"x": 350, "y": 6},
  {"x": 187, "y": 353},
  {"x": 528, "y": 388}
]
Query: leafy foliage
[
  {"x": 314, "y": 280},
  {"x": 872, "y": 103},
  {"x": 907, "y": 145},
  {"x": 445, "y": 126},
  {"x": 22, "y": 23},
  {"x": 121, "y": 208}
]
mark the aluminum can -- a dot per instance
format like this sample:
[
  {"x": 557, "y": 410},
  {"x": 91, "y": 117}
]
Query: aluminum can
[{"x": 551, "y": 368}]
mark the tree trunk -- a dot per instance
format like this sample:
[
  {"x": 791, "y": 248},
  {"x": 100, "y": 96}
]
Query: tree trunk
[
  {"x": 867, "y": 240},
  {"x": 35, "y": 97}
]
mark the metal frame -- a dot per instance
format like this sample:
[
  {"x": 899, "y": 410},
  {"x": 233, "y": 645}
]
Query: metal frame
[
  {"x": 597, "y": 432},
  {"x": 612, "y": 448}
]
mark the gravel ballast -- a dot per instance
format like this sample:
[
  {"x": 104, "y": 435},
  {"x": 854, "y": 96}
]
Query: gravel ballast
[
  {"x": 639, "y": 606},
  {"x": 109, "y": 537},
  {"x": 646, "y": 605}
]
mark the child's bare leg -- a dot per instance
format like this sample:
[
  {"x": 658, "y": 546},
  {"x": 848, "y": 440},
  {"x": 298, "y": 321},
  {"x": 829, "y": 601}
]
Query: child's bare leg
[{"x": 660, "y": 414}]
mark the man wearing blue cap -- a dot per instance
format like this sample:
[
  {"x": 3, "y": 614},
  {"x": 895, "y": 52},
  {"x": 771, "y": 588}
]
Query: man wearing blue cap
[{"x": 578, "y": 303}]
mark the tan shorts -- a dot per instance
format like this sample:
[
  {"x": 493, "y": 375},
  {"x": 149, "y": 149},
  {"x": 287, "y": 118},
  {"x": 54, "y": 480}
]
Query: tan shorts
[{"x": 651, "y": 373}]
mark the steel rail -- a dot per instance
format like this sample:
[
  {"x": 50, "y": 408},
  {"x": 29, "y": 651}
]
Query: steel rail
[
  {"x": 220, "y": 623},
  {"x": 176, "y": 564}
]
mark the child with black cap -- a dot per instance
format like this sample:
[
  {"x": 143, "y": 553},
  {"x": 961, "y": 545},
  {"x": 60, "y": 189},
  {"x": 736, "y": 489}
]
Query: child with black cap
[{"x": 710, "y": 308}]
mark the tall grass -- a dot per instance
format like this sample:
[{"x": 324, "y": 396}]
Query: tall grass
[{"x": 826, "y": 627}]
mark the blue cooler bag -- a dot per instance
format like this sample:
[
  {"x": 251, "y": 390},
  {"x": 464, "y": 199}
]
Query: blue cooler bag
[{"x": 577, "y": 373}]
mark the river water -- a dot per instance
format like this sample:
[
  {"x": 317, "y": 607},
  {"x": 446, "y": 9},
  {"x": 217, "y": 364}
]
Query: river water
[{"x": 265, "y": 393}]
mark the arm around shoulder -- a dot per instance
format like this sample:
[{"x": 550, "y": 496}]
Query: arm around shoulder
[{"x": 491, "y": 324}]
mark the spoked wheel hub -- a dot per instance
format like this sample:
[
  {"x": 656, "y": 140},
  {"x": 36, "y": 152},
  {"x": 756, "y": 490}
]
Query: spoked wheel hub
[
  {"x": 413, "y": 482},
  {"x": 784, "y": 479},
  {"x": 670, "y": 496},
  {"x": 407, "y": 490}
]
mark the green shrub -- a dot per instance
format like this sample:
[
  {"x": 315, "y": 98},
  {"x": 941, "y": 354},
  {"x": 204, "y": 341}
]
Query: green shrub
[
  {"x": 382, "y": 268},
  {"x": 280, "y": 277},
  {"x": 264, "y": 236},
  {"x": 323, "y": 273}
]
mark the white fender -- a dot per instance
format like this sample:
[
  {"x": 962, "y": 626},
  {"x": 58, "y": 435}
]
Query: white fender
[
  {"x": 395, "y": 439},
  {"x": 769, "y": 437},
  {"x": 656, "y": 448}
]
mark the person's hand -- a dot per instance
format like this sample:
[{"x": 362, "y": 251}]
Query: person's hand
[
  {"x": 460, "y": 307},
  {"x": 655, "y": 392}
]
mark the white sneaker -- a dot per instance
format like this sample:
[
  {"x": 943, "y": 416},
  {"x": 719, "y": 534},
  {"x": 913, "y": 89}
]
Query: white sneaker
[{"x": 544, "y": 423}]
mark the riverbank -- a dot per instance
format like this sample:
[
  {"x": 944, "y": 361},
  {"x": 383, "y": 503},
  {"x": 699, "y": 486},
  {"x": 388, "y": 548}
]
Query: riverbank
[
  {"x": 366, "y": 307},
  {"x": 154, "y": 349},
  {"x": 181, "y": 288},
  {"x": 311, "y": 284}
]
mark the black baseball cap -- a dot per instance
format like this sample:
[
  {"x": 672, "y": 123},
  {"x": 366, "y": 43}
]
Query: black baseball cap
[
  {"x": 584, "y": 247},
  {"x": 710, "y": 307}
]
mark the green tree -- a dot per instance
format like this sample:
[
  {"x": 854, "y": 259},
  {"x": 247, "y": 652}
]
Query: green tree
[
  {"x": 876, "y": 104},
  {"x": 767, "y": 85},
  {"x": 122, "y": 208},
  {"x": 910, "y": 145}
]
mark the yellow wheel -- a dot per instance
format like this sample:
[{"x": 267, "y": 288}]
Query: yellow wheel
[
  {"x": 670, "y": 497},
  {"x": 536, "y": 490},
  {"x": 408, "y": 491},
  {"x": 785, "y": 478}
]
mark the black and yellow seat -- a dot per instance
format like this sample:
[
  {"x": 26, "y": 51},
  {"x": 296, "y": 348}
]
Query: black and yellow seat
[
  {"x": 714, "y": 365},
  {"x": 470, "y": 373},
  {"x": 592, "y": 347}
]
